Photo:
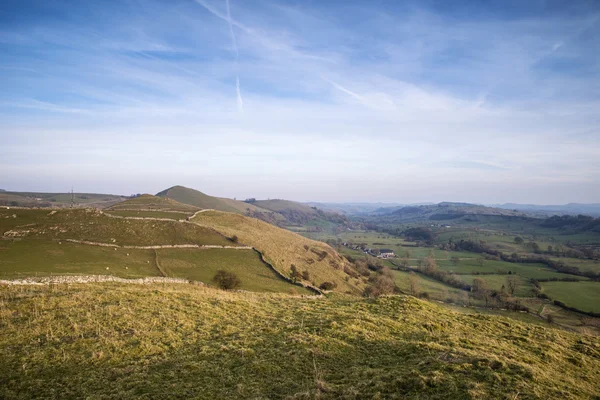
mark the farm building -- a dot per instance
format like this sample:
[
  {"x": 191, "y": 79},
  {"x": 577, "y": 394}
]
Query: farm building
[{"x": 386, "y": 253}]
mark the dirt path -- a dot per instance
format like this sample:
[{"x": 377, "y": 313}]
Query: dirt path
[{"x": 157, "y": 263}]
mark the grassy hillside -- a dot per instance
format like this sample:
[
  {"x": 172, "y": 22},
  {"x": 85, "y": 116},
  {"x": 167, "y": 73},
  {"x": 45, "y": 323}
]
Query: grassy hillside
[
  {"x": 114, "y": 341},
  {"x": 283, "y": 248},
  {"x": 33, "y": 244},
  {"x": 95, "y": 226},
  {"x": 204, "y": 201},
  {"x": 38, "y": 199},
  {"x": 150, "y": 202}
]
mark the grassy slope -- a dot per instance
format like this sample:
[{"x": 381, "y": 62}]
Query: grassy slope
[
  {"x": 282, "y": 248},
  {"x": 43, "y": 251},
  {"x": 176, "y": 215},
  {"x": 204, "y": 201},
  {"x": 115, "y": 341},
  {"x": 96, "y": 227},
  {"x": 201, "y": 265},
  {"x": 150, "y": 202}
]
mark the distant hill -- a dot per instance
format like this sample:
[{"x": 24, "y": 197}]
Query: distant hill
[
  {"x": 201, "y": 200},
  {"x": 276, "y": 212},
  {"x": 446, "y": 211},
  {"x": 356, "y": 208},
  {"x": 300, "y": 213},
  {"x": 40, "y": 199},
  {"x": 571, "y": 208}
]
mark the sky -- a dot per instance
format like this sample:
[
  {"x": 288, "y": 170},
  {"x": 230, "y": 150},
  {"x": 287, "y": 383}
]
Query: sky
[{"x": 416, "y": 101}]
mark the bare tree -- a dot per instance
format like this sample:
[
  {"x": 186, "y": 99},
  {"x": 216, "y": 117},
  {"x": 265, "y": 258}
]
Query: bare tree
[
  {"x": 413, "y": 283},
  {"x": 429, "y": 265},
  {"x": 512, "y": 282},
  {"x": 481, "y": 291}
]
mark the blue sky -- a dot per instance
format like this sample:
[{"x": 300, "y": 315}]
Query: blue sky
[{"x": 308, "y": 100}]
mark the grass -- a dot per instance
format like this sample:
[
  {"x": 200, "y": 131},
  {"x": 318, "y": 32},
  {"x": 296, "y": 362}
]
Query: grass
[
  {"x": 200, "y": 200},
  {"x": 535, "y": 271},
  {"x": 151, "y": 214},
  {"x": 582, "y": 265},
  {"x": 25, "y": 258},
  {"x": 584, "y": 296},
  {"x": 93, "y": 226},
  {"x": 435, "y": 289},
  {"x": 112, "y": 341},
  {"x": 34, "y": 199},
  {"x": 201, "y": 265},
  {"x": 283, "y": 248},
  {"x": 149, "y": 202},
  {"x": 495, "y": 282}
]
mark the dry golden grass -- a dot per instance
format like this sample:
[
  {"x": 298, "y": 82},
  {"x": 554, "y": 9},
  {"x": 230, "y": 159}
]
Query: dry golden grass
[{"x": 117, "y": 341}]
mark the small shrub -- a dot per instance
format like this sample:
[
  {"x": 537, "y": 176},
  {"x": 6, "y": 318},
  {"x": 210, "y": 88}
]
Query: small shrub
[
  {"x": 295, "y": 274},
  {"x": 327, "y": 286},
  {"x": 234, "y": 239},
  {"x": 226, "y": 280},
  {"x": 306, "y": 275}
]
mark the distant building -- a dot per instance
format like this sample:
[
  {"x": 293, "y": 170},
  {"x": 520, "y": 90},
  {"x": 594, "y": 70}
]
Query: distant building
[{"x": 386, "y": 253}]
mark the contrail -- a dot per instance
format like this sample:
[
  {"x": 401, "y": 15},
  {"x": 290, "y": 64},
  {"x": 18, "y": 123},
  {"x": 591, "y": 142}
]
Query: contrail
[
  {"x": 231, "y": 30},
  {"x": 343, "y": 89},
  {"x": 240, "y": 100},
  {"x": 239, "y": 94}
]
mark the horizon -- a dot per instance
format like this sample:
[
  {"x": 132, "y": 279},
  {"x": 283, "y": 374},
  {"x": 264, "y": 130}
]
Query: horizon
[
  {"x": 391, "y": 102},
  {"x": 375, "y": 202}
]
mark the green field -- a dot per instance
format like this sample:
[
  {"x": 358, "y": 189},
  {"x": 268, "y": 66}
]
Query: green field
[
  {"x": 584, "y": 296},
  {"x": 435, "y": 289},
  {"x": 582, "y": 265},
  {"x": 495, "y": 282},
  {"x": 25, "y": 258},
  {"x": 115, "y": 341},
  {"x": 201, "y": 265},
  {"x": 534, "y": 271}
]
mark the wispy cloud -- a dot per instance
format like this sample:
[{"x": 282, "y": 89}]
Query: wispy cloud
[{"x": 413, "y": 96}]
